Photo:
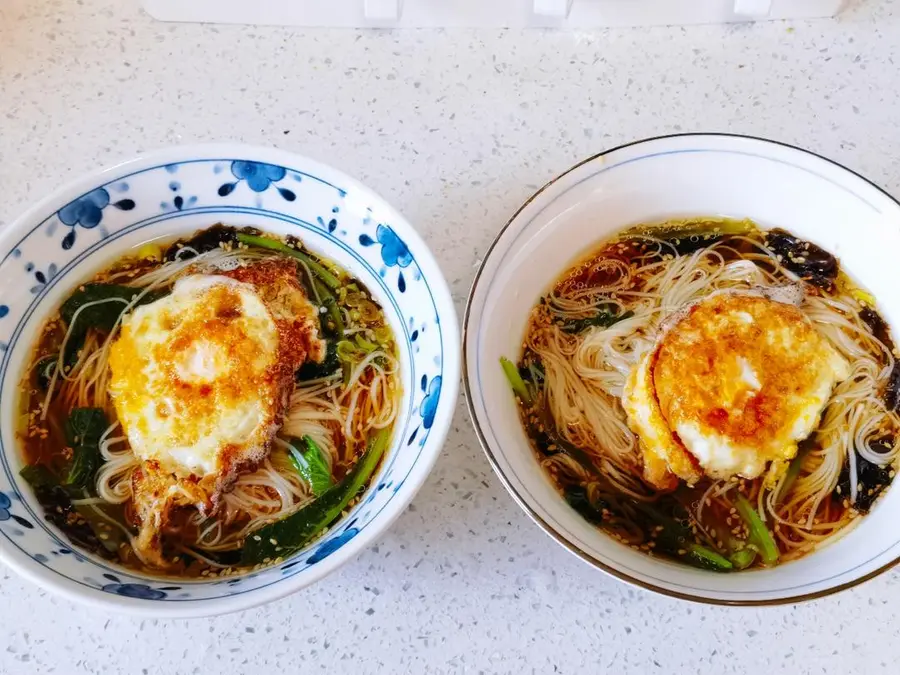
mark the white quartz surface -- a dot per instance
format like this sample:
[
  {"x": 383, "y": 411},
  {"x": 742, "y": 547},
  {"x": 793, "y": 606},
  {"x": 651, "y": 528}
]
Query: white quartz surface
[{"x": 456, "y": 128}]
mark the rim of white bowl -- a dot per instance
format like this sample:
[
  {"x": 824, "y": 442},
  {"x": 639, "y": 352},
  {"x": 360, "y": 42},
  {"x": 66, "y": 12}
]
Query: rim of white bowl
[
  {"x": 548, "y": 529},
  {"x": 22, "y": 564}
]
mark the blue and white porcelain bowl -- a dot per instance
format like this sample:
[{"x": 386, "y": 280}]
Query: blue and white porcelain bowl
[{"x": 86, "y": 225}]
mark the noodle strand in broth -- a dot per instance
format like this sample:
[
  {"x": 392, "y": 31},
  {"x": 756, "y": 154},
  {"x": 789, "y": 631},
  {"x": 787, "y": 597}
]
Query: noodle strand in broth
[
  {"x": 588, "y": 335},
  {"x": 337, "y": 407}
]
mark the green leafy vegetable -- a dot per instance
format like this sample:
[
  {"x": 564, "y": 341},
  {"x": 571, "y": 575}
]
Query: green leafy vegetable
[
  {"x": 56, "y": 501},
  {"x": 536, "y": 371},
  {"x": 333, "y": 329},
  {"x": 206, "y": 240},
  {"x": 689, "y": 236},
  {"x": 315, "y": 267},
  {"x": 288, "y": 535},
  {"x": 103, "y": 316},
  {"x": 309, "y": 460},
  {"x": 516, "y": 381},
  {"x": 759, "y": 533},
  {"x": 548, "y": 430},
  {"x": 577, "y": 497},
  {"x": 97, "y": 517},
  {"x": 44, "y": 370},
  {"x": 604, "y": 318},
  {"x": 111, "y": 301},
  {"x": 84, "y": 428},
  {"x": 677, "y": 539},
  {"x": 38, "y": 476},
  {"x": 313, "y": 371}
]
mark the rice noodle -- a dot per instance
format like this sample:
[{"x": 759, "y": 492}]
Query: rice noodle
[
  {"x": 585, "y": 375},
  {"x": 338, "y": 417}
]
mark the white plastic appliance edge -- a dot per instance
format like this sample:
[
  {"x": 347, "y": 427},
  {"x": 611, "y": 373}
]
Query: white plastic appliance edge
[{"x": 571, "y": 14}]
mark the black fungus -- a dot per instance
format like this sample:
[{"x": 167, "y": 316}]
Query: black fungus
[
  {"x": 880, "y": 330},
  {"x": 871, "y": 478},
  {"x": 892, "y": 388},
  {"x": 207, "y": 240},
  {"x": 877, "y": 325},
  {"x": 809, "y": 262},
  {"x": 576, "y": 496}
]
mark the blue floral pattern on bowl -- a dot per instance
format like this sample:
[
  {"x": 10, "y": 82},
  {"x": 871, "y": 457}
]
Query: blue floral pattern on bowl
[
  {"x": 5, "y": 503},
  {"x": 138, "y": 591},
  {"x": 259, "y": 177},
  {"x": 169, "y": 198},
  {"x": 332, "y": 545},
  {"x": 87, "y": 212},
  {"x": 430, "y": 402}
]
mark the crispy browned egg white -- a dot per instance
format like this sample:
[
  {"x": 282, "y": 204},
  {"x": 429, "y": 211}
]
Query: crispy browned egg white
[
  {"x": 200, "y": 380},
  {"x": 729, "y": 389}
]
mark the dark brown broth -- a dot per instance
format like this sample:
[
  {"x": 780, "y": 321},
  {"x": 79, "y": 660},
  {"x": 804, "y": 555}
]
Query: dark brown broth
[
  {"x": 617, "y": 513},
  {"x": 44, "y": 443}
]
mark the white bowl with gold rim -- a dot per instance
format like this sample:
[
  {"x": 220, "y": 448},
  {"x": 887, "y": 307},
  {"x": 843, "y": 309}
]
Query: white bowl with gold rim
[{"x": 686, "y": 175}]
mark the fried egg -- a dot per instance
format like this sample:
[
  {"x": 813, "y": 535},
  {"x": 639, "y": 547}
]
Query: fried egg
[
  {"x": 200, "y": 380},
  {"x": 730, "y": 387}
]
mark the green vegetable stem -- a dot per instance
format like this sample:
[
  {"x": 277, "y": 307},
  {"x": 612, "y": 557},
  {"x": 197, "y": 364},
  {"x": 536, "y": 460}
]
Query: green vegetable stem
[
  {"x": 516, "y": 381},
  {"x": 315, "y": 267},
  {"x": 288, "y": 535},
  {"x": 759, "y": 533}
]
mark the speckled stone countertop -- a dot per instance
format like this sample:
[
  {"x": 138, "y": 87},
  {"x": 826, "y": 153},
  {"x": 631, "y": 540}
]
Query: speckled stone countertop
[{"x": 456, "y": 128}]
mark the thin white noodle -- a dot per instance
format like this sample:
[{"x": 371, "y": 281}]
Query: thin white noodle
[
  {"x": 338, "y": 418},
  {"x": 584, "y": 374}
]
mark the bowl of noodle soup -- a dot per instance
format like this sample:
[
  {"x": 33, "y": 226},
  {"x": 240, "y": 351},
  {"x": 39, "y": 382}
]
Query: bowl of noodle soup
[
  {"x": 699, "y": 397},
  {"x": 225, "y": 371}
]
